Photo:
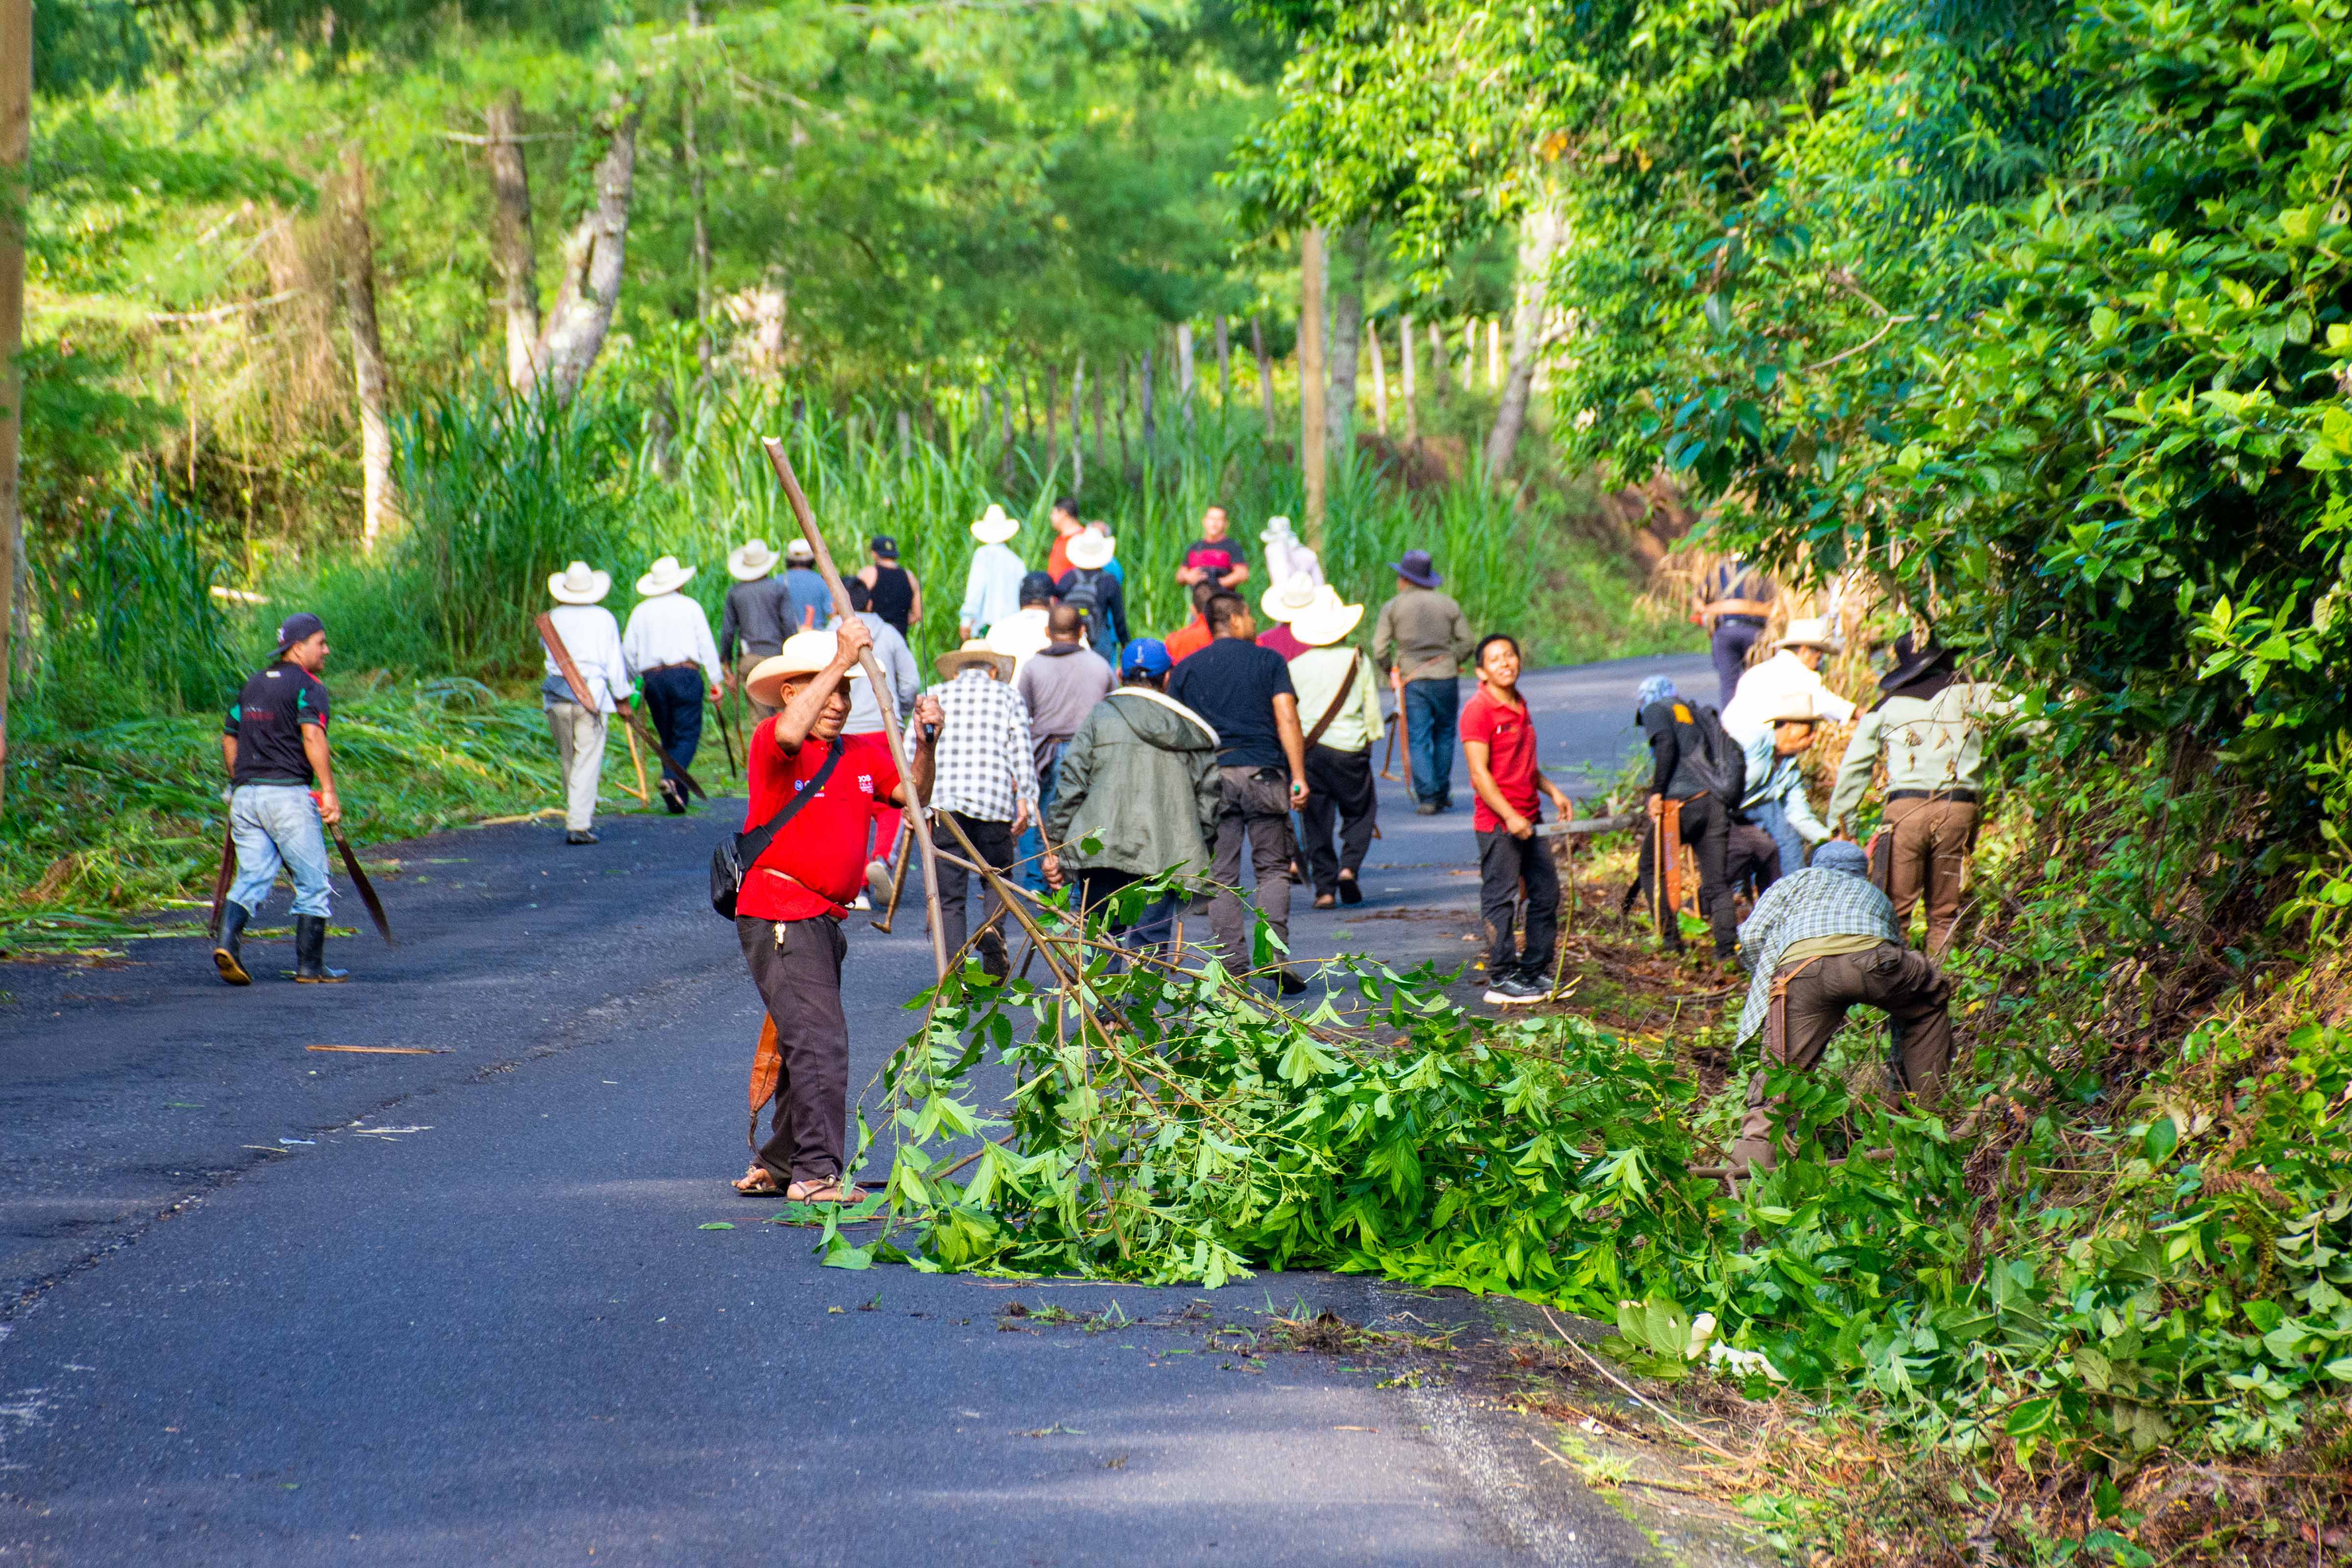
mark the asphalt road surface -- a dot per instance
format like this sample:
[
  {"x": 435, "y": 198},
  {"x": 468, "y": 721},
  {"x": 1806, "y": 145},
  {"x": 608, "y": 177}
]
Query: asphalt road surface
[{"x": 269, "y": 1305}]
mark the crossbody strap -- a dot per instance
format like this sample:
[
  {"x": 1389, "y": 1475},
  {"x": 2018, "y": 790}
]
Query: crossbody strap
[
  {"x": 749, "y": 847},
  {"x": 1346, "y": 688}
]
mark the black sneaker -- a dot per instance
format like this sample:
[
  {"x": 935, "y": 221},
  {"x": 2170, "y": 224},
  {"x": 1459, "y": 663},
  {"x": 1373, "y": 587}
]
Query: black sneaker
[
  {"x": 579, "y": 835},
  {"x": 1512, "y": 990},
  {"x": 1425, "y": 808}
]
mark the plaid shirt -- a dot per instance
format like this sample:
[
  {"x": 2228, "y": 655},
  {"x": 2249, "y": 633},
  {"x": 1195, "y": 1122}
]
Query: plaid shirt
[
  {"x": 984, "y": 766},
  {"x": 1809, "y": 903}
]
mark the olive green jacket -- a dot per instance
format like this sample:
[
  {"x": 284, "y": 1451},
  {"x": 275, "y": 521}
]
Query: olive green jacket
[
  {"x": 1141, "y": 775},
  {"x": 1937, "y": 745}
]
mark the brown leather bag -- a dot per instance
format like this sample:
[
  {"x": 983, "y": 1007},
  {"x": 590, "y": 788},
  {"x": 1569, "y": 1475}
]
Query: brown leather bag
[{"x": 1347, "y": 689}]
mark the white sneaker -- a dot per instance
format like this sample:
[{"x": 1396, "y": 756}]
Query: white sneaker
[
  {"x": 1511, "y": 991},
  {"x": 861, "y": 902}
]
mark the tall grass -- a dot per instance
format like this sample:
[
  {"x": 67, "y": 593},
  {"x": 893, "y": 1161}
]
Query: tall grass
[{"x": 129, "y": 618}]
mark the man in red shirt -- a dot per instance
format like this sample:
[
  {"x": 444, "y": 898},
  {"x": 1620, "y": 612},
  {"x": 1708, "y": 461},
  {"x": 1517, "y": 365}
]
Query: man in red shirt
[
  {"x": 1498, "y": 736},
  {"x": 795, "y": 895}
]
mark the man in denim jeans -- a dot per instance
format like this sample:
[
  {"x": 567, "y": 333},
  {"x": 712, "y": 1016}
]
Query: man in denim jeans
[
  {"x": 275, "y": 746},
  {"x": 1420, "y": 640}
]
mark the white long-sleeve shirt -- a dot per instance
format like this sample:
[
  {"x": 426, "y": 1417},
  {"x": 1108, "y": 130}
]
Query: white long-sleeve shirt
[
  {"x": 593, "y": 638},
  {"x": 991, "y": 588},
  {"x": 670, "y": 628},
  {"x": 1764, "y": 690}
]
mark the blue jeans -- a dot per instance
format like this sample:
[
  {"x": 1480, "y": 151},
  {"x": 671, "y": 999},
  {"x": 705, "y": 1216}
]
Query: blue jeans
[
  {"x": 673, "y": 697},
  {"x": 274, "y": 825},
  {"x": 1431, "y": 708},
  {"x": 1734, "y": 635},
  {"x": 1031, "y": 850},
  {"x": 1773, "y": 818}
]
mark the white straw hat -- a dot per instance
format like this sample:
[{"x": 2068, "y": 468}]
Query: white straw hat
[
  {"x": 1797, "y": 708},
  {"x": 996, "y": 528},
  {"x": 576, "y": 585},
  {"x": 1289, "y": 598},
  {"x": 751, "y": 562},
  {"x": 799, "y": 554},
  {"x": 1276, "y": 527},
  {"x": 1327, "y": 619},
  {"x": 804, "y": 653},
  {"x": 665, "y": 576},
  {"x": 1811, "y": 631},
  {"x": 976, "y": 651},
  {"x": 1092, "y": 551}
]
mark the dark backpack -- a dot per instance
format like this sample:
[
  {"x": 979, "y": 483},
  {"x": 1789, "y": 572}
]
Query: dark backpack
[
  {"x": 1084, "y": 592},
  {"x": 1720, "y": 759}
]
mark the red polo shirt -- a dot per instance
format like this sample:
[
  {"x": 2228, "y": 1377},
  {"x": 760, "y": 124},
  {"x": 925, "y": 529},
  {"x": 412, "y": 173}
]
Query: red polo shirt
[
  {"x": 1187, "y": 640},
  {"x": 817, "y": 864},
  {"x": 1510, "y": 735}
]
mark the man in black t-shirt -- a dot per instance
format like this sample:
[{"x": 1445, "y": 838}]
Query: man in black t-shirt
[
  {"x": 1213, "y": 557},
  {"x": 1244, "y": 691},
  {"x": 275, "y": 747}
]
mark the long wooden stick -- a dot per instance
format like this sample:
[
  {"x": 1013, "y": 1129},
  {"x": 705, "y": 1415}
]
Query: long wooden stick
[
  {"x": 919, "y": 819},
  {"x": 637, "y": 759}
]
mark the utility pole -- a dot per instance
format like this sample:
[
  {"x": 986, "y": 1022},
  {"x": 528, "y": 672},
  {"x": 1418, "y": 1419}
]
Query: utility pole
[
  {"x": 1312, "y": 448},
  {"x": 15, "y": 149}
]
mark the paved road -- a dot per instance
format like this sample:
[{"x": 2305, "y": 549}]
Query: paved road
[{"x": 268, "y": 1305}]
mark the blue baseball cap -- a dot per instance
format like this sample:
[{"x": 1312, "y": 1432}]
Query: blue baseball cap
[
  {"x": 297, "y": 626},
  {"x": 1146, "y": 656}
]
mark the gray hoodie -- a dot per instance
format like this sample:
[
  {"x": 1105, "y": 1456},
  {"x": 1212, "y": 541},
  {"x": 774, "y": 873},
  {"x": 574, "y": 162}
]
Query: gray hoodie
[{"x": 1140, "y": 774}]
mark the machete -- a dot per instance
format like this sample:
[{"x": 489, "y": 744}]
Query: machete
[
  {"x": 367, "y": 888},
  {"x": 571, "y": 677}
]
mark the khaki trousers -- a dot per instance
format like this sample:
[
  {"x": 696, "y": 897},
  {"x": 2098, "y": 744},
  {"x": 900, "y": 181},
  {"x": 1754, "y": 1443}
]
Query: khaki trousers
[
  {"x": 1932, "y": 842},
  {"x": 744, "y": 662},
  {"x": 1817, "y": 995},
  {"x": 580, "y": 755}
]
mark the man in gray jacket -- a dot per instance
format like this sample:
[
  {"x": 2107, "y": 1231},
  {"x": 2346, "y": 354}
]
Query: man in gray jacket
[
  {"x": 1140, "y": 778},
  {"x": 1421, "y": 640}
]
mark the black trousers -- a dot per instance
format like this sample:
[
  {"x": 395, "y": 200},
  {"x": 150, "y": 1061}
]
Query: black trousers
[
  {"x": 796, "y": 964},
  {"x": 1339, "y": 785},
  {"x": 994, "y": 839},
  {"x": 674, "y": 702},
  {"x": 1504, "y": 865},
  {"x": 1750, "y": 855},
  {"x": 1706, "y": 828},
  {"x": 1154, "y": 928}
]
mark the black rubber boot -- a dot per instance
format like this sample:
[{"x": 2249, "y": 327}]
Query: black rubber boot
[
  {"x": 310, "y": 953},
  {"x": 227, "y": 956}
]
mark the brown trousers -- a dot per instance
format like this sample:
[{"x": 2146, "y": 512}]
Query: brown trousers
[
  {"x": 1932, "y": 842},
  {"x": 1907, "y": 985},
  {"x": 745, "y": 662},
  {"x": 796, "y": 964}
]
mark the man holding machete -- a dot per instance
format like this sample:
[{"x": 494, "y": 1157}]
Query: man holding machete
[
  {"x": 794, "y": 896},
  {"x": 275, "y": 748}
]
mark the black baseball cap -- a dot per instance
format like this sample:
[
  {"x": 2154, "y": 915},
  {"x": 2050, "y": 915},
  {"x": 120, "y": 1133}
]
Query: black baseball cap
[
  {"x": 1037, "y": 588},
  {"x": 884, "y": 546},
  {"x": 295, "y": 627}
]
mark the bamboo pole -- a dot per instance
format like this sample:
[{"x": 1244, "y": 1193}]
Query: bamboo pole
[
  {"x": 918, "y": 822},
  {"x": 1311, "y": 435},
  {"x": 637, "y": 760}
]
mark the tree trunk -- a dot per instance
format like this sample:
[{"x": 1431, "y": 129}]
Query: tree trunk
[
  {"x": 1053, "y": 427},
  {"x": 1149, "y": 429},
  {"x": 1347, "y": 335},
  {"x": 1225, "y": 366},
  {"x": 1126, "y": 458},
  {"x": 1004, "y": 454},
  {"x": 690, "y": 152},
  {"x": 1494, "y": 354},
  {"x": 1540, "y": 238},
  {"x": 595, "y": 255},
  {"x": 512, "y": 247},
  {"x": 1379, "y": 383},
  {"x": 1412, "y": 410},
  {"x": 1264, "y": 373},
  {"x": 1313, "y": 429},
  {"x": 15, "y": 147},
  {"x": 1096, "y": 387},
  {"x": 1470, "y": 355},
  {"x": 1078, "y": 426},
  {"x": 1186, "y": 380},
  {"x": 370, "y": 379},
  {"x": 1437, "y": 371},
  {"x": 906, "y": 440}
]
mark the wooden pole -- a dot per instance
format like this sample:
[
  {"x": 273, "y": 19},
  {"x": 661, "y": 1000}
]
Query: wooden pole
[
  {"x": 1412, "y": 413},
  {"x": 1264, "y": 373},
  {"x": 637, "y": 760},
  {"x": 1311, "y": 442},
  {"x": 919, "y": 821},
  {"x": 15, "y": 147},
  {"x": 1379, "y": 383}
]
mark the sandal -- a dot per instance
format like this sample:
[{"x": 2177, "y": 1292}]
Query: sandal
[
  {"x": 758, "y": 1182},
  {"x": 823, "y": 1192}
]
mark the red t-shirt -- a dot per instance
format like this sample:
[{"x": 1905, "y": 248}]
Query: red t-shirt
[
  {"x": 1510, "y": 735},
  {"x": 1057, "y": 559},
  {"x": 816, "y": 865},
  {"x": 1186, "y": 641},
  {"x": 1283, "y": 640}
]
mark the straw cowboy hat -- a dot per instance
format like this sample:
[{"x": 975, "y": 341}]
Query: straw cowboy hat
[
  {"x": 751, "y": 562},
  {"x": 1797, "y": 708},
  {"x": 1092, "y": 552},
  {"x": 975, "y": 652},
  {"x": 799, "y": 552},
  {"x": 804, "y": 653},
  {"x": 1810, "y": 631},
  {"x": 1276, "y": 527},
  {"x": 1327, "y": 619},
  {"x": 576, "y": 585},
  {"x": 1288, "y": 599},
  {"x": 996, "y": 528},
  {"x": 663, "y": 576}
]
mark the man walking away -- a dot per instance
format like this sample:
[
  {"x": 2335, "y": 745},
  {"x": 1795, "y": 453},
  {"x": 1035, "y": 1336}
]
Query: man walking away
[
  {"x": 1498, "y": 739},
  {"x": 897, "y": 596},
  {"x": 751, "y": 623},
  {"x": 1693, "y": 764},
  {"x": 1792, "y": 674},
  {"x": 1140, "y": 778},
  {"x": 1059, "y": 687},
  {"x": 991, "y": 586},
  {"x": 1214, "y": 558},
  {"x": 1820, "y": 941},
  {"x": 1737, "y": 606},
  {"x": 593, "y": 638},
  {"x": 1090, "y": 588},
  {"x": 1776, "y": 800},
  {"x": 1928, "y": 727},
  {"x": 788, "y": 915},
  {"x": 1340, "y": 703},
  {"x": 987, "y": 783},
  {"x": 808, "y": 603},
  {"x": 1244, "y": 693},
  {"x": 1420, "y": 640},
  {"x": 1021, "y": 636},
  {"x": 275, "y": 748},
  {"x": 1194, "y": 634},
  {"x": 669, "y": 646}
]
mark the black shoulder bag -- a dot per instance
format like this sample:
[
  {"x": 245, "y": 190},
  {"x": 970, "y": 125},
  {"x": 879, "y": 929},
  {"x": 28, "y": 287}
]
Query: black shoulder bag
[{"x": 738, "y": 852}]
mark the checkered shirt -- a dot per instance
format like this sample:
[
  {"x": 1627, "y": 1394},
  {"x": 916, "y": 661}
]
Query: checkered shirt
[
  {"x": 1809, "y": 903},
  {"x": 985, "y": 769}
]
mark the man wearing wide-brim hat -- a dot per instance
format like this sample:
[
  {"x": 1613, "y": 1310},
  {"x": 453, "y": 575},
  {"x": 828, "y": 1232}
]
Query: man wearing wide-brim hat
[
  {"x": 1777, "y": 800},
  {"x": 1340, "y": 704},
  {"x": 991, "y": 586},
  {"x": 1421, "y": 640},
  {"x": 593, "y": 638},
  {"x": 1284, "y": 599},
  {"x": 669, "y": 646},
  {"x": 1792, "y": 674},
  {"x": 753, "y": 624},
  {"x": 987, "y": 782},
  {"x": 794, "y": 896},
  {"x": 1092, "y": 589}
]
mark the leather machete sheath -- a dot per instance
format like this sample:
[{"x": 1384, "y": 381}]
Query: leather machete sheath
[{"x": 767, "y": 1071}]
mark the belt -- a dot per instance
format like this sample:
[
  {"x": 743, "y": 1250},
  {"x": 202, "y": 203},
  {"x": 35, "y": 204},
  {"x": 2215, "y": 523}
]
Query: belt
[
  {"x": 1743, "y": 619},
  {"x": 658, "y": 669},
  {"x": 1963, "y": 796}
]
